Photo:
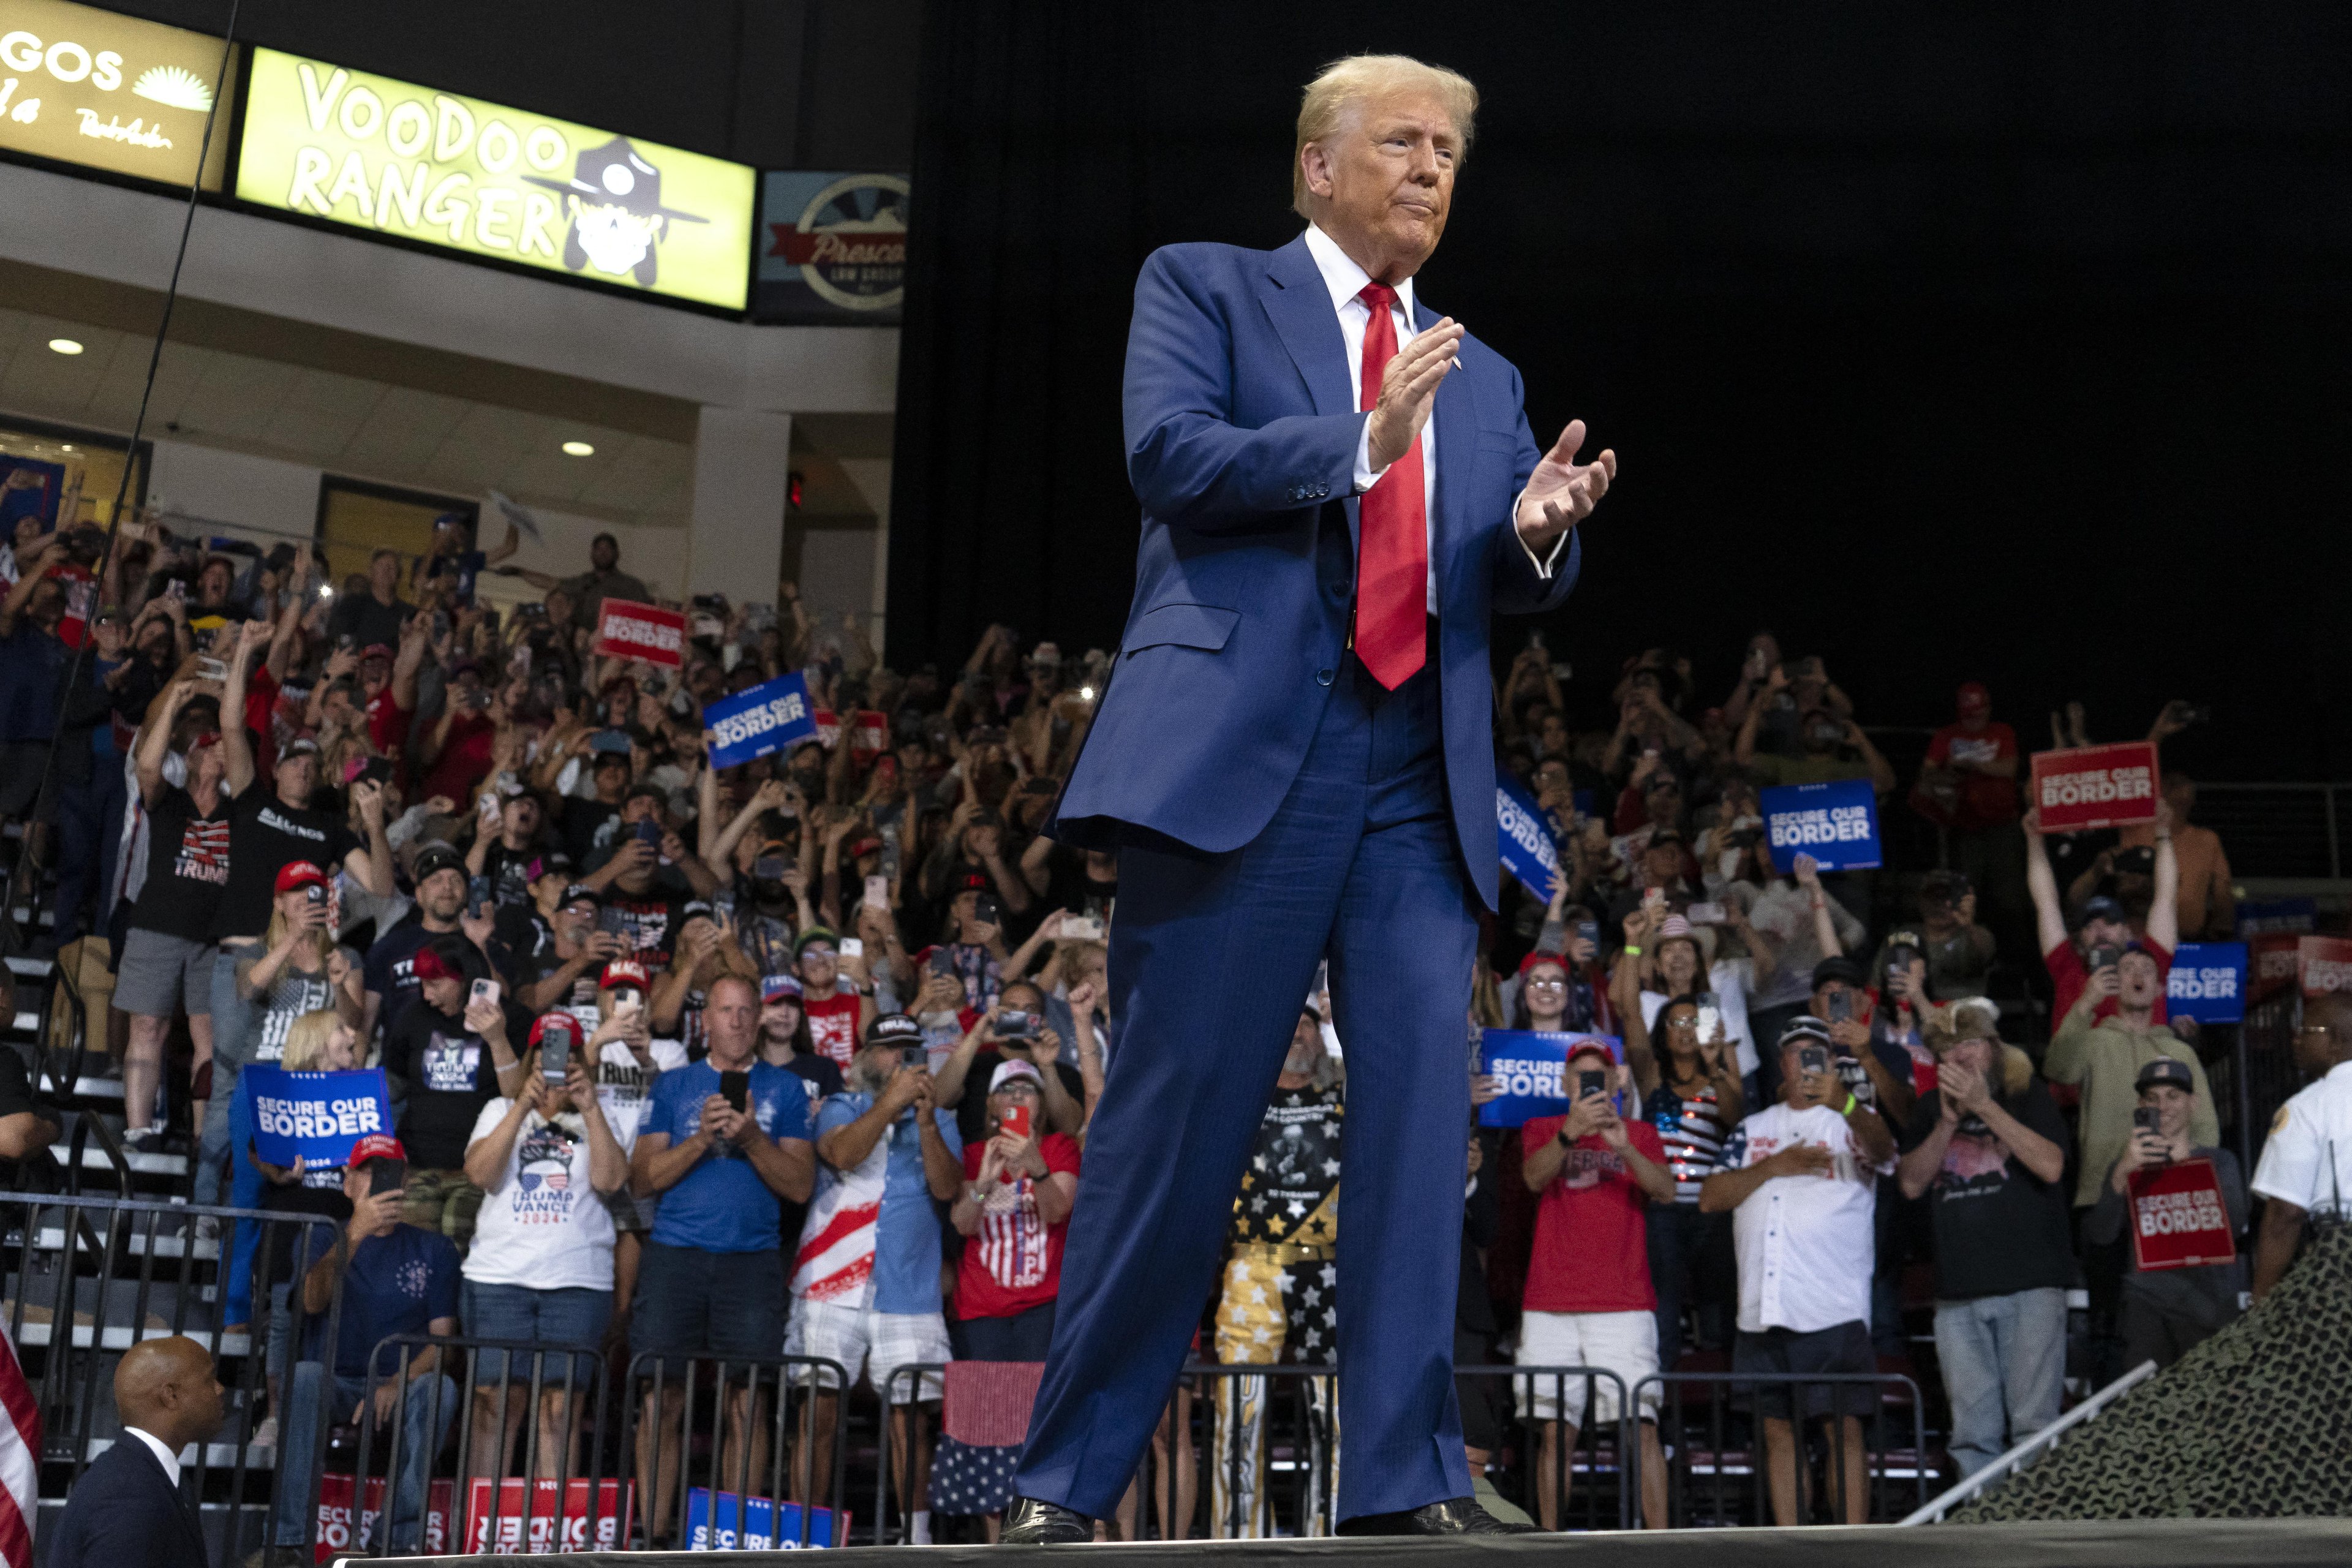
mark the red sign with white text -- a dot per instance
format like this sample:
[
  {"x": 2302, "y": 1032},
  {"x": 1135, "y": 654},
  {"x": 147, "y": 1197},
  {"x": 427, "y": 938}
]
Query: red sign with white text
[
  {"x": 2094, "y": 787},
  {"x": 868, "y": 737},
  {"x": 2178, "y": 1217},
  {"x": 341, "y": 1535},
  {"x": 510, "y": 1523},
  {"x": 2273, "y": 963},
  {"x": 2322, "y": 965},
  {"x": 629, "y": 630}
]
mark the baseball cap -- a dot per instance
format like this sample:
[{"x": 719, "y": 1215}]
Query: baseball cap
[
  {"x": 580, "y": 893},
  {"x": 776, "y": 987},
  {"x": 2100, "y": 908},
  {"x": 898, "y": 1029},
  {"x": 556, "y": 1022},
  {"x": 429, "y": 964},
  {"x": 2165, "y": 1069},
  {"x": 1841, "y": 968},
  {"x": 301, "y": 747},
  {"x": 377, "y": 1146},
  {"x": 969, "y": 882},
  {"x": 376, "y": 650},
  {"x": 1007, "y": 1071},
  {"x": 1803, "y": 1026},
  {"x": 300, "y": 874},
  {"x": 552, "y": 863},
  {"x": 693, "y": 907},
  {"x": 644, "y": 791},
  {"x": 623, "y": 971},
  {"x": 815, "y": 935},
  {"x": 1675, "y": 926},
  {"x": 1592, "y": 1048},
  {"x": 1531, "y": 960},
  {"x": 434, "y": 857},
  {"x": 209, "y": 738},
  {"x": 1973, "y": 699}
]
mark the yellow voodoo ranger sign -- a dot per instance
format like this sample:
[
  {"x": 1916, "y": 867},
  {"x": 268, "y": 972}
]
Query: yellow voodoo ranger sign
[
  {"x": 89, "y": 87},
  {"x": 492, "y": 181}
]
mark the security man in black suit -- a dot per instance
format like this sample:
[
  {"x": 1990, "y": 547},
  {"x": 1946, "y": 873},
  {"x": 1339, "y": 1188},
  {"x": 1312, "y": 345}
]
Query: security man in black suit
[{"x": 127, "y": 1511}]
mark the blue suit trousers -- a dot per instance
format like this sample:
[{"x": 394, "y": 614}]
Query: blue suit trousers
[{"x": 1211, "y": 958}]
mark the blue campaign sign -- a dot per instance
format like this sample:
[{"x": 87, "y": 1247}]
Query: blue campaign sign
[
  {"x": 1528, "y": 853},
  {"x": 2208, "y": 981},
  {"x": 1529, "y": 1062},
  {"x": 756, "y": 1524},
  {"x": 763, "y": 719},
  {"x": 318, "y": 1115},
  {"x": 1836, "y": 823}
]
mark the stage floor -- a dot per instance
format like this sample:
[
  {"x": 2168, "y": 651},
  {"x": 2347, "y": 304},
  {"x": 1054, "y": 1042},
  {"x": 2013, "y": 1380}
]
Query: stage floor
[{"x": 2125, "y": 1543}]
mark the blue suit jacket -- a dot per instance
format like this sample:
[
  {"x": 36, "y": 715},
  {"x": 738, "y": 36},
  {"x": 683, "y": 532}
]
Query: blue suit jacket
[
  {"x": 123, "y": 1513},
  {"x": 1241, "y": 444}
]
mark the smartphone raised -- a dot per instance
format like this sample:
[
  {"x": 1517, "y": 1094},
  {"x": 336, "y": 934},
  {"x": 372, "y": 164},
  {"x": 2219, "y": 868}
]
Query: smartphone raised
[
  {"x": 1840, "y": 1007},
  {"x": 2105, "y": 958},
  {"x": 852, "y": 947},
  {"x": 1704, "y": 914},
  {"x": 386, "y": 1176},
  {"x": 1082, "y": 928},
  {"x": 1813, "y": 1059},
  {"x": 648, "y": 831},
  {"x": 1015, "y": 1121},
  {"x": 484, "y": 991},
  {"x": 1710, "y": 1016},
  {"x": 735, "y": 1088},
  {"x": 1591, "y": 1081},
  {"x": 554, "y": 1054},
  {"x": 2146, "y": 1117},
  {"x": 877, "y": 892}
]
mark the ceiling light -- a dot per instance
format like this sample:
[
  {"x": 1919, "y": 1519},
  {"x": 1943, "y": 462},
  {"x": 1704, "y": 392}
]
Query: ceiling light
[
  {"x": 66, "y": 447},
  {"x": 578, "y": 449},
  {"x": 65, "y": 345}
]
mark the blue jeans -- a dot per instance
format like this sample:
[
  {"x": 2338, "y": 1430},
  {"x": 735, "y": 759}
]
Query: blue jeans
[
  {"x": 431, "y": 1403},
  {"x": 2000, "y": 1354},
  {"x": 246, "y": 1187},
  {"x": 234, "y": 1018}
]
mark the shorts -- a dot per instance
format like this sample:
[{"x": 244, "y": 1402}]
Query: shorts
[
  {"x": 1625, "y": 1343},
  {"x": 716, "y": 1306},
  {"x": 442, "y": 1201},
  {"x": 1842, "y": 1348},
  {"x": 571, "y": 1315},
  {"x": 158, "y": 976},
  {"x": 882, "y": 1343},
  {"x": 1023, "y": 1336}
]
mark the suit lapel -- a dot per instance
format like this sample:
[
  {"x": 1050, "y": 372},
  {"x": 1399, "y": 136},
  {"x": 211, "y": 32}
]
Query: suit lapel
[
  {"x": 1299, "y": 306},
  {"x": 1456, "y": 413}
]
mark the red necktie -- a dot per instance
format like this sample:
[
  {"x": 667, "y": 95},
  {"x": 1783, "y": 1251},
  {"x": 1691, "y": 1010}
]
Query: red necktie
[{"x": 1392, "y": 553}]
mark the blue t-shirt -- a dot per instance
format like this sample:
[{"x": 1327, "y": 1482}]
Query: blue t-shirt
[
  {"x": 907, "y": 1232},
  {"x": 396, "y": 1284},
  {"x": 721, "y": 1204}
]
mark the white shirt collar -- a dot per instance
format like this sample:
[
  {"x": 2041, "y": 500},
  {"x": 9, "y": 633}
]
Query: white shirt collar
[
  {"x": 1343, "y": 278},
  {"x": 163, "y": 1456}
]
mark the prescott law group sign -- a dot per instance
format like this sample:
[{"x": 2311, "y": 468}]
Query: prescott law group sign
[
  {"x": 85, "y": 85},
  {"x": 331, "y": 142}
]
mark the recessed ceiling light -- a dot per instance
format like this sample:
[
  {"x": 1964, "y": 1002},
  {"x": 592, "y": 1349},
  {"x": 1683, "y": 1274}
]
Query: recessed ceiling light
[
  {"x": 65, "y": 345},
  {"x": 66, "y": 447},
  {"x": 578, "y": 449}
]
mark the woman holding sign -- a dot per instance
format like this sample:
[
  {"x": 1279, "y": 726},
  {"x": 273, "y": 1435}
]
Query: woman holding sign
[{"x": 318, "y": 1041}]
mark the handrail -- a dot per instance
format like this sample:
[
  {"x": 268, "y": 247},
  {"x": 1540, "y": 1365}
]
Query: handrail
[{"x": 1946, "y": 1500}]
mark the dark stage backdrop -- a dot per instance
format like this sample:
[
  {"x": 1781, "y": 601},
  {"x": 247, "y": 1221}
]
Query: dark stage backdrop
[{"x": 1997, "y": 340}]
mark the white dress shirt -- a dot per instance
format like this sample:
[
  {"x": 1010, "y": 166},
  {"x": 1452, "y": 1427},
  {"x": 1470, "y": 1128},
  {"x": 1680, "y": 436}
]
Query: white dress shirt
[
  {"x": 2307, "y": 1159},
  {"x": 1806, "y": 1245},
  {"x": 163, "y": 1456},
  {"x": 1346, "y": 281}
]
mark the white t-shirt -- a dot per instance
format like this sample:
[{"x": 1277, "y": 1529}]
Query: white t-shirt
[
  {"x": 623, "y": 1084},
  {"x": 2307, "y": 1159},
  {"x": 1806, "y": 1244},
  {"x": 543, "y": 1224},
  {"x": 1728, "y": 977}
]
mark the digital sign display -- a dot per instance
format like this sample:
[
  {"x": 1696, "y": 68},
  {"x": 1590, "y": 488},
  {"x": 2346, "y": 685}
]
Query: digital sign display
[
  {"x": 490, "y": 181},
  {"x": 85, "y": 85}
]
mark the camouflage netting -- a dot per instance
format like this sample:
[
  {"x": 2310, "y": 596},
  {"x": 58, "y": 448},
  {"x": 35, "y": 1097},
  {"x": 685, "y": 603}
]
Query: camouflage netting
[{"x": 2254, "y": 1423}]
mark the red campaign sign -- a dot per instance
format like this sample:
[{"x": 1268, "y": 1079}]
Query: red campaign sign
[
  {"x": 2272, "y": 963},
  {"x": 869, "y": 739},
  {"x": 598, "y": 1525},
  {"x": 629, "y": 630},
  {"x": 2178, "y": 1217},
  {"x": 335, "y": 1536},
  {"x": 2322, "y": 965},
  {"x": 82, "y": 594},
  {"x": 2094, "y": 787}
]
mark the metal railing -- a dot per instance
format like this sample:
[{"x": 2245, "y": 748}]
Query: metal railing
[
  {"x": 2016, "y": 1457},
  {"x": 1719, "y": 1469},
  {"x": 750, "y": 1407}
]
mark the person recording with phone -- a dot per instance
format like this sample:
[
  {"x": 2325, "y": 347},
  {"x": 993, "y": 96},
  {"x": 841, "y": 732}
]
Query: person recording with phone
[
  {"x": 866, "y": 1291},
  {"x": 541, "y": 1267},
  {"x": 975, "y": 951},
  {"x": 1688, "y": 1079},
  {"x": 2104, "y": 1056},
  {"x": 2102, "y": 925},
  {"x": 449, "y": 1053},
  {"x": 840, "y": 1009},
  {"x": 2169, "y": 1313},
  {"x": 1800, "y": 1179},
  {"x": 1012, "y": 1029},
  {"x": 723, "y": 1142},
  {"x": 390, "y": 972},
  {"x": 1020, "y": 1181},
  {"x": 394, "y": 1279},
  {"x": 1590, "y": 1299}
]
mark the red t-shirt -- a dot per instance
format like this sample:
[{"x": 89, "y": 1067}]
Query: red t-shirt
[
  {"x": 1592, "y": 1225},
  {"x": 1014, "y": 1261},
  {"x": 1985, "y": 799},
  {"x": 387, "y": 727},
  {"x": 260, "y": 716},
  {"x": 465, "y": 759},
  {"x": 2067, "y": 977},
  {"x": 833, "y": 1025}
]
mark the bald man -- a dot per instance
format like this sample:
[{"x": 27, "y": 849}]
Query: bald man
[{"x": 127, "y": 1511}]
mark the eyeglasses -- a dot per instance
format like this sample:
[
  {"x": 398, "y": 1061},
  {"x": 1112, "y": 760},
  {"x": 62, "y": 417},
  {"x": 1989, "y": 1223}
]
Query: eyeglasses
[
  {"x": 2313, "y": 1029},
  {"x": 1553, "y": 983},
  {"x": 1682, "y": 1022}
]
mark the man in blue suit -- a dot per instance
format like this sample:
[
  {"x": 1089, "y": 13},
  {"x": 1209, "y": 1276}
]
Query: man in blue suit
[
  {"x": 1295, "y": 759},
  {"x": 127, "y": 1511}
]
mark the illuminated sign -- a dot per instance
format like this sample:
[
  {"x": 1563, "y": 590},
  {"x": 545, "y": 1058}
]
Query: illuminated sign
[
  {"x": 833, "y": 247},
  {"x": 85, "y": 85},
  {"x": 487, "y": 180}
]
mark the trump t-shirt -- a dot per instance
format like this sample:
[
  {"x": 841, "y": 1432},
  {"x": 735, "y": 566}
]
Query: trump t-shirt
[{"x": 1593, "y": 1236}]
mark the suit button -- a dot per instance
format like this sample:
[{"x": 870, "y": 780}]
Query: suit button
[
  {"x": 1322, "y": 490},
  {"x": 1323, "y": 677}
]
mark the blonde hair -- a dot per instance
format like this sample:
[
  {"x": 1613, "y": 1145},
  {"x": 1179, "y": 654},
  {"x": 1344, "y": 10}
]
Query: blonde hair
[
  {"x": 1343, "y": 84},
  {"x": 306, "y": 1040},
  {"x": 322, "y": 941}
]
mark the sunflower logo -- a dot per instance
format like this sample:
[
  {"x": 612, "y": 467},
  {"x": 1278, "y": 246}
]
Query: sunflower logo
[{"x": 173, "y": 87}]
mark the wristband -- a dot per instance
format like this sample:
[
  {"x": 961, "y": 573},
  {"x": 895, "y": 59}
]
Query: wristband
[
  {"x": 1850, "y": 1104},
  {"x": 1633, "y": 952}
]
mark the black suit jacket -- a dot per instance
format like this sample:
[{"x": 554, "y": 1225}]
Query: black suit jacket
[{"x": 123, "y": 1513}]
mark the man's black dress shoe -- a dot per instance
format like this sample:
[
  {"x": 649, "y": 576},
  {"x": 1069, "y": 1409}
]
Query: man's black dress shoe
[
  {"x": 1030, "y": 1522},
  {"x": 1455, "y": 1516}
]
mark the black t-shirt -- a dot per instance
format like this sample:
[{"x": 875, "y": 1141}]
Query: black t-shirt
[
  {"x": 391, "y": 968},
  {"x": 449, "y": 1075},
  {"x": 17, "y": 1099},
  {"x": 584, "y": 828},
  {"x": 320, "y": 1192},
  {"x": 367, "y": 623},
  {"x": 264, "y": 837},
  {"x": 1999, "y": 1227},
  {"x": 821, "y": 1075},
  {"x": 972, "y": 1110},
  {"x": 187, "y": 866},
  {"x": 649, "y": 920},
  {"x": 1067, "y": 885},
  {"x": 509, "y": 873},
  {"x": 522, "y": 944}
]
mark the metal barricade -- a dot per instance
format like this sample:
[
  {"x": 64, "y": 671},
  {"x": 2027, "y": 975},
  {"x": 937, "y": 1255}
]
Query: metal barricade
[
  {"x": 1719, "y": 1469},
  {"x": 904, "y": 1443},
  {"x": 661, "y": 1400},
  {"x": 560, "y": 1493},
  {"x": 87, "y": 1278}
]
